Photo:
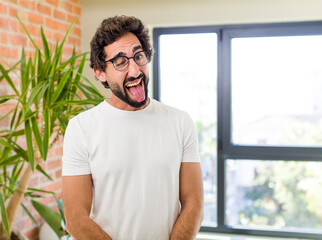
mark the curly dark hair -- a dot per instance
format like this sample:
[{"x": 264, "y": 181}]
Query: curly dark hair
[{"x": 110, "y": 30}]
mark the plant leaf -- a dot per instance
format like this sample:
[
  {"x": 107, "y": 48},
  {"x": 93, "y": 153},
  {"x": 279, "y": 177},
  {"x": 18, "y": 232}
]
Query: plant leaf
[
  {"x": 24, "y": 28},
  {"x": 29, "y": 214},
  {"x": 37, "y": 135},
  {"x": 6, "y": 76},
  {"x": 50, "y": 216},
  {"x": 30, "y": 148},
  {"x": 46, "y": 132},
  {"x": 61, "y": 85},
  {"x": 43, "y": 172},
  {"x": 33, "y": 95},
  {"x": 4, "y": 216},
  {"x": 45, "y": 44}
]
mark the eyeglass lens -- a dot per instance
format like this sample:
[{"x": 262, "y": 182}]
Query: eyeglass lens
[{"x": 140, "y": 58}]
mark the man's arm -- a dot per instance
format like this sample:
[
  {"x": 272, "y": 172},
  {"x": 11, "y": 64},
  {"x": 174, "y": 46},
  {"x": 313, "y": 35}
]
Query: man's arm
[
  {"x": 77, "y": 200},
  {"x": 191, "y": 197}
]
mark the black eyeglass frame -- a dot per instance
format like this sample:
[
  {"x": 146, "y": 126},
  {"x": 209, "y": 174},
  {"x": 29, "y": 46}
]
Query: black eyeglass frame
[{"x": 147, "y": 52}]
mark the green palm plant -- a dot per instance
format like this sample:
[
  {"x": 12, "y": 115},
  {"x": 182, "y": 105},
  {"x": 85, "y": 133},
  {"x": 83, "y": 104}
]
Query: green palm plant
[{"x": 51, "y": 91}]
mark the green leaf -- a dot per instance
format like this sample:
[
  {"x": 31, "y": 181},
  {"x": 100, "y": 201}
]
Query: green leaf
[
  {"x": 6, "y": 76},
  {"x": 46, "y": 132},
  {"x": 61, "y": 85},
  {"x": 30, "y": 148},
  {"x": 13, "y": 118},
  {"x": 40, "y": 190},
  {"x": 24, "y": 28},
  {"x": 33, "y": 94},
  {"x": 45, "y": 44},
  {"x": 80, "y": 69},
  {"x": 50, "y": 216},
  {"x": 4, "y": 216},
  {"x": 70, "y": 27},
  {"x": 43, "y": 172},
  {"x": 29, "y": 214},
  {"x": 15, "y": 133},
  {"x": 75, "y": 102},
  {"x": 37, "y": 135}
]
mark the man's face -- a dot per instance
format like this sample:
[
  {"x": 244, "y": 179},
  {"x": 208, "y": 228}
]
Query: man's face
[{"x": 129, "y": 86}]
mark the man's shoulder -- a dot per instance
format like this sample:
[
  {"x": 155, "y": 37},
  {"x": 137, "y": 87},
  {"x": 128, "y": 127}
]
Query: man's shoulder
[
  {"x": 88, "y": 115},
  {"x": 162, "y": 107}
]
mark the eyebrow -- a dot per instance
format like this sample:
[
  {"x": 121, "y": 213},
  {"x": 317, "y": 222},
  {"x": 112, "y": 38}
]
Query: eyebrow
[{"x": 122, "y": 54}]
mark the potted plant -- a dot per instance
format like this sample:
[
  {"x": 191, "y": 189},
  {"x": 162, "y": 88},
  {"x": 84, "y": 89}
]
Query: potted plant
[{"x": 52, "y": 90}]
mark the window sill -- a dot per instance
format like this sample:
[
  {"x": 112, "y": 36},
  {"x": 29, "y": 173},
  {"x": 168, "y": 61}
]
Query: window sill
[{"x": 218, "y": 236}]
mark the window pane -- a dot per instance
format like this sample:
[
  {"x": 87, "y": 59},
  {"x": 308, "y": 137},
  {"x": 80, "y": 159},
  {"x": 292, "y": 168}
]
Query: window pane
[
  {"x": 277, "y": 91},
  {"x": 284, "y": 195},
  {"x": 188, "y": 81}
]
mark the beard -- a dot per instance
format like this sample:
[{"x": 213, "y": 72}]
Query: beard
[{"x": 123, "y": 93}]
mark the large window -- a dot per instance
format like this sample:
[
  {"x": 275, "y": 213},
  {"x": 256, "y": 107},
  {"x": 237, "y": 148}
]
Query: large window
[{"x": 255, "y": 95}]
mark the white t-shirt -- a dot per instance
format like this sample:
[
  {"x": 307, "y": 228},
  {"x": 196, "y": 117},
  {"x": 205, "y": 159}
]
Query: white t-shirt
[{"x": 134, "y": 158}]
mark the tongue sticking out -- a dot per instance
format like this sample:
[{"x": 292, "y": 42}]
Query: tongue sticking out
[{"x": 138, "y": 92}]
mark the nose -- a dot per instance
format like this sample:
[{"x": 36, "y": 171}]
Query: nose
[{"x": 133, "y": 69}]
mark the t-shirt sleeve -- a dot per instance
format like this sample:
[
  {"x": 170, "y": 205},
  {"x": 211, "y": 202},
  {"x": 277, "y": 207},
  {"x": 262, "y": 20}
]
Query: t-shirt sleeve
[
  {"x": 75, "y": 152},
  {"x": 190, "y": 142}
]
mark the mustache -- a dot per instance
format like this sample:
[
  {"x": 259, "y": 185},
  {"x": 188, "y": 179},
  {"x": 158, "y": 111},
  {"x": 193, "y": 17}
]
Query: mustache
[{"x": 130, "y": 79}]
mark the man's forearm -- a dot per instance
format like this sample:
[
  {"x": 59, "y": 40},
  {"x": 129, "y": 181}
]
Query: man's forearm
[
  {"x": 85, "y": 228},
  {"x": 187, "y": 225}
]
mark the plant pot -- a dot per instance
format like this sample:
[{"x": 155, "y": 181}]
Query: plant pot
[{"x": 46, "y": 233}]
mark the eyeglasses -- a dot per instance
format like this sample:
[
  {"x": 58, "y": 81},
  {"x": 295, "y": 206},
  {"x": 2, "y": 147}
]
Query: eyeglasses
[{"x": 141, "y": 58}]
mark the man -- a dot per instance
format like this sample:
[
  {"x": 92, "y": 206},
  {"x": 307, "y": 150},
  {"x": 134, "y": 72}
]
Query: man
[{"x": 131, "y": 168}]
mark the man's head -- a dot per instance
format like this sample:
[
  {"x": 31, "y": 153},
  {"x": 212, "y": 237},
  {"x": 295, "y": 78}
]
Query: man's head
[
  {"x": 120, "y": 50},
  {"x": 110, "y": 30}
]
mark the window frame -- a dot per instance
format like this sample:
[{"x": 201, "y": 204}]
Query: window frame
[{"x": 225, "y": 149}]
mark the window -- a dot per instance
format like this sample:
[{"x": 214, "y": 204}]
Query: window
[{"x": 255, "y": 95}]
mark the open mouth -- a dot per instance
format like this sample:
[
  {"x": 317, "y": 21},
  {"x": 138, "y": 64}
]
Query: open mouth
[
  {"x": 136, "y": 89},
  {"x": 134, "y": 83}
]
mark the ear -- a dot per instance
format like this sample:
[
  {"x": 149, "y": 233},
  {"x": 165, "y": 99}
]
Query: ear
[{"x": 100, "y": 75}]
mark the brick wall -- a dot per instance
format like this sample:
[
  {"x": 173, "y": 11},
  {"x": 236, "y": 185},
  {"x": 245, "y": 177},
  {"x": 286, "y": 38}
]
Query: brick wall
[{"x": 55, "y": 16}]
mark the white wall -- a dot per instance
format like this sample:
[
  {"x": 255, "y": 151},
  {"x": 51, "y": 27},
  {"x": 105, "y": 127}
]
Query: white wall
[{"x": 195, "y": 12}]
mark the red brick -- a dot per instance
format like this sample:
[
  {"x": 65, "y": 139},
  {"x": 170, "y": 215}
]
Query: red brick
[
  {"x": 12, "y": 12},
  {"x": 53, "y": 24},
  {"x": 3, "y": 38},
  {"x": 44, "y": 9},
  {"x": 58, "y": 174},
  {"x": 54, "y": 187},
  {"x": 58, "y": 36},
  {"x": 8, "y": 24},
  {"x": 59, "y": 15},
  {"x": 53, "y": 164},
  {"x": 34, "y": 181},
  {"x": 63, "y": 27},
  {"x": 18, "y": 40},
  {"x": 35, "y": 18},
  {"x": 77, "y": 10},
  {"x": 70, "y": 18},
  {"x": 28, "y": 4},
  {"x": 53, "y": 2},
  {"x": 68, "y": 7},
  {"x": 77, "y": 31},
  {"x": 76, "y": 1},
  {"x": 12, "y": 1},
  {"x": 30, "y": 28},
  {"x": 23, "y": 223},
  {"x": 9, "y": 52},
  {"x": 3, "y": 9},
  {"x": 59, "y": 151},
  {"x": 38, "y": 43}
]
